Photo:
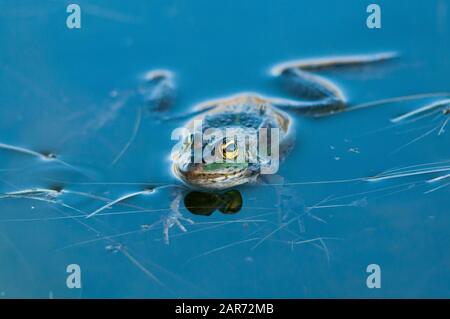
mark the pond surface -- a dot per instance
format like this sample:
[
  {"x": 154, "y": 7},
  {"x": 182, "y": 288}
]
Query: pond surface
[{"x": 72, "y": 92}]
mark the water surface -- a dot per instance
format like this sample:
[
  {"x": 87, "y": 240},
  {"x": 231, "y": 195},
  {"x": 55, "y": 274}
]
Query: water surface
[{"x": 67, "y": 91}]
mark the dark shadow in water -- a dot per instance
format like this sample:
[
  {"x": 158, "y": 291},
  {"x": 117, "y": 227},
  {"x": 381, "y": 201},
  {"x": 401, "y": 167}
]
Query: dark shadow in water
[{"x": 205, "y": 203}]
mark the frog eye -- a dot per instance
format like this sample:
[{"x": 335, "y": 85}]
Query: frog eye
[{"x": 229, "y": 150}]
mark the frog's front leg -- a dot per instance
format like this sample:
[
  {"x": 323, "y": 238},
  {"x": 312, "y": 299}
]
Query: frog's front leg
[
  {"x": 323, "y": 96},
  {"x": 174, "y": 217}
]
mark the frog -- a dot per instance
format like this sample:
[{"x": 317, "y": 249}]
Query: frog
[{"x": 315, "y": 96}]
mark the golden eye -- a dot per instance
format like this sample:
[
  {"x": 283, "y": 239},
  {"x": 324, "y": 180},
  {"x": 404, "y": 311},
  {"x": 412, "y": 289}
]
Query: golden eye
[{"x": 229, "y": 150}]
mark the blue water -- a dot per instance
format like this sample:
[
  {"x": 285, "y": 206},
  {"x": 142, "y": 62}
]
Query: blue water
[{"x": 65, "y": 91}]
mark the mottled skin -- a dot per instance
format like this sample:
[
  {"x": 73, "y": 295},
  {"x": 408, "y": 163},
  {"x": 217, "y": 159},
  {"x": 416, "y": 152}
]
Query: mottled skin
[
  {"x": 316, "y": 97},
  {"x": 245, "y": 112}
]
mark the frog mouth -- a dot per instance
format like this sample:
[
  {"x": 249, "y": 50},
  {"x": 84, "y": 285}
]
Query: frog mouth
[{"x": 214, "y": 176}]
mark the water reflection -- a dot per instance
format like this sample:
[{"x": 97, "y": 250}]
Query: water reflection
[{"x": 205, "y": 203}]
